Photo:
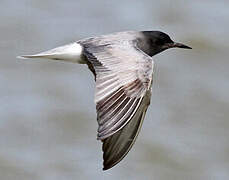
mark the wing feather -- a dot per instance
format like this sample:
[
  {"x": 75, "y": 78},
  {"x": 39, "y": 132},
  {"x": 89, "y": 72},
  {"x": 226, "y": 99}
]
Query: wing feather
[
  {"x": 123, "y": 75},
  {"x": 118, "y": 145}
]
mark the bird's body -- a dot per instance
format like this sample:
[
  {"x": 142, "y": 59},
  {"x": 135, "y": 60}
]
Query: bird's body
[{"x": 123, "y": 67}]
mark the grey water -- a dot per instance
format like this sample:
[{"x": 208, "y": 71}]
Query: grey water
[{"x": 47, "y": 113}]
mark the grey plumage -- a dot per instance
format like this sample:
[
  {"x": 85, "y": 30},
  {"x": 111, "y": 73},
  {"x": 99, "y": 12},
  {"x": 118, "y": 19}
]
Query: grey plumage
[
  {"x": 123, "y": 68},
  {"x": 123, "y": 78}
]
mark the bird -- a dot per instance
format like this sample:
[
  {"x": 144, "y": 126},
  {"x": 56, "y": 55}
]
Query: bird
[{"x": 123, "y": 69}]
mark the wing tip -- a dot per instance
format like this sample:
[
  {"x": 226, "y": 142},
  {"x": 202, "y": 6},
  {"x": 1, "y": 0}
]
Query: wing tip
[
  {"x": 107, "y": 165},
  {"x": 106, "y": 168}
]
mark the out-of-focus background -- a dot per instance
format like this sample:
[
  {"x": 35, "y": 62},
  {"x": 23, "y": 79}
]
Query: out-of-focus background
[{"x": 47, "y": 114}]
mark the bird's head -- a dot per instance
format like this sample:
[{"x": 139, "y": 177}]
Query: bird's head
[{"x": 159, "y": 41}]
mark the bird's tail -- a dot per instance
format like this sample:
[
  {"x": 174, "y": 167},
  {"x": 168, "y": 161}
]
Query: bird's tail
[{"x": 71, "y": 52}]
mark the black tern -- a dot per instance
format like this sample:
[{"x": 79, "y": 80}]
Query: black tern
[{"x": 123, "y": 66}]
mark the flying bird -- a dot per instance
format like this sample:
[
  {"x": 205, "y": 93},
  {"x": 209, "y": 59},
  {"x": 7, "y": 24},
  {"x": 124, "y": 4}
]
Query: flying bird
[{"x": 122, "y": 65}]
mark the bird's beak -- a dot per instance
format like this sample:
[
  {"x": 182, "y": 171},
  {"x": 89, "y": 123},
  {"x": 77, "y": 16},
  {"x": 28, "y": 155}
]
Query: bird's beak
[{"x": 179, "y": 45}]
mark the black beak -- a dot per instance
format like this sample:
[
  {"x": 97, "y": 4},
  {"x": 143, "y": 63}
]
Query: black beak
[{"x": 179, "y": 45}]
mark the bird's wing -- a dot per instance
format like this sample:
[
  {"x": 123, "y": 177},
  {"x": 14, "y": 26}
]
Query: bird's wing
[{"x": 123, "y": 75}]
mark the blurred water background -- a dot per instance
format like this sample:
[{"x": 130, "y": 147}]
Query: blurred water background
[{"x": 47, "y": 114}]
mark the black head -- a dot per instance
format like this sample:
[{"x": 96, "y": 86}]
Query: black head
[{"x": 158, "y": 41}]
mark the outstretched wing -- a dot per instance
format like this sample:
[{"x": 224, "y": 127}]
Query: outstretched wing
[{"x": 123, "y": 75}]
